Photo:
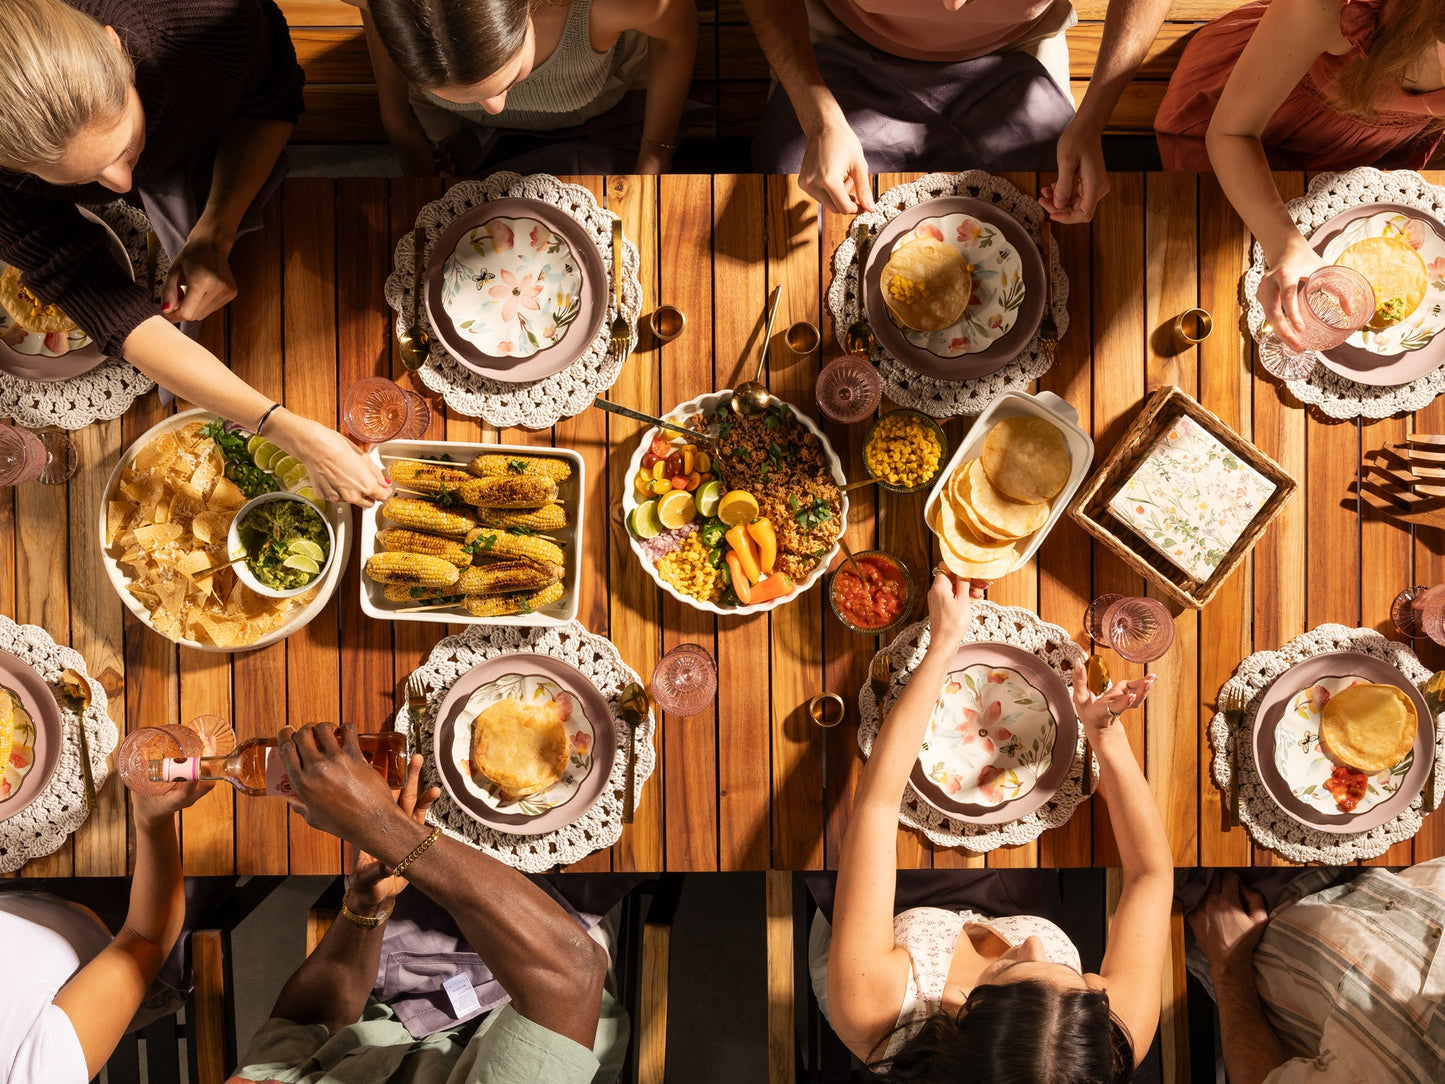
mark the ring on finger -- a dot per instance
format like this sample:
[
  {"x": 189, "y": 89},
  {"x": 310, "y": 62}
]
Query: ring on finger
[{"x": 1110, "y": 709}]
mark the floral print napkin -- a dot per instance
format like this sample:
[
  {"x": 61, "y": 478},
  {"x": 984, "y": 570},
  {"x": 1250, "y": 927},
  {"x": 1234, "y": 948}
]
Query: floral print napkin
[{"x": 1191, "y": 498}]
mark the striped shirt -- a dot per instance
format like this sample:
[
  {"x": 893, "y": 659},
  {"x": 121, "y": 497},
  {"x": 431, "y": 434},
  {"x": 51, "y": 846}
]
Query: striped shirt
[{"x": 1353, "y": 978}]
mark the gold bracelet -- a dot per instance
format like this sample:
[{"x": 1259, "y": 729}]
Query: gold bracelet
[
  {"x": 369, "y": 922},
  {"x": 421, "y": 848},
  {"x": 660, "y": 143}
]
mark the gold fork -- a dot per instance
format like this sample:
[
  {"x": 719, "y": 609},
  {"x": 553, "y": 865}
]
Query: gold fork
[
  {"x": 1048, "y": 329},
  {"x": 621, "y": 333},
  {"x": 1434, "y": 691},
  {"x": 880, "y": 672},
  {"x": 415, "y": 705},
  {"x": 1233, "y": 705}
]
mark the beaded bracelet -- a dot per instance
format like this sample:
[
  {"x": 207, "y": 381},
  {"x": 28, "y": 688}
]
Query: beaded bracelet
[{"x": 421, "y": 849}]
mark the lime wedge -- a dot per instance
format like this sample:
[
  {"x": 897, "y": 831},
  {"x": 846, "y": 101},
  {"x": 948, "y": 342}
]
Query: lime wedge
[
  {"x": 301, "y": 564},
  {"x": 293, "y": 475},
  {"x": 643, "y": 521},
  {"x": 708, "y": 496},
  {"x": 285, "y": 462},
  {"x": 310, "y": 495},
  {"x": 307, "y": 548},
  {"x": 264, "y": 453},
  {"x": 676, "y": 508}
]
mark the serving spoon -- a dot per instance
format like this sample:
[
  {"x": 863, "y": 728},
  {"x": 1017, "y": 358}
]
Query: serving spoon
[
  {"x": 415, "y": 343},
  {"x": 751, "y": 397}
]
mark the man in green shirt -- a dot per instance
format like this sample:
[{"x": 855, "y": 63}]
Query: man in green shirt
[{"x": 560, "y": 1026}]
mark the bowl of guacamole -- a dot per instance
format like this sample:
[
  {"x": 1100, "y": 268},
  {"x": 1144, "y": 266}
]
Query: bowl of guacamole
[{"x": 288, "y": 541}]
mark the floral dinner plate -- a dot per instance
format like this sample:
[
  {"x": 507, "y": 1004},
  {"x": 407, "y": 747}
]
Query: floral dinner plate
[
  {"x": 1001, "y": 738},
  {"x": 1306, "y": 768},
  {"x": 516, "y": 289},
  {"x": 530, "y": 689},
  {"x": 39, "y": 735},
  {"x": 1008, "y": 282},
  {"x": 990, "y": 736},
  {"x": 21, "y": 761}
]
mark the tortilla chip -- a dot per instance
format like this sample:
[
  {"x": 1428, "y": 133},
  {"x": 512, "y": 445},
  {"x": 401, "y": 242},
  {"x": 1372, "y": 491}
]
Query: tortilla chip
[
  {"x": 118, "y": 515},
  {"x": 227, "y": 495}
]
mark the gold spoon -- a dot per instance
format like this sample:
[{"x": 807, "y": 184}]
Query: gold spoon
[
  {"x": 752, "y": 396},
  {"x": 415, "y": 343},
  {"x": 633, "y": 705},
  {"x": 859, "y": 337},
  {"x": 74, "y": 691}
]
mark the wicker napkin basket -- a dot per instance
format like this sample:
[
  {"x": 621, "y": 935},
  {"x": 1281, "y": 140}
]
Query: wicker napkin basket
[{"x": 1090, "y": 507}]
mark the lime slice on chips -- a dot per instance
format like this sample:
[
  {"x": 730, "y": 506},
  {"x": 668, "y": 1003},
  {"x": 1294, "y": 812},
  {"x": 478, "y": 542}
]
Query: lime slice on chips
[{"x": 307, "y": 548}]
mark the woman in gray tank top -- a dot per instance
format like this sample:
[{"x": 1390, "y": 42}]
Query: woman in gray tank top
[{"x": 603, "y": 82}]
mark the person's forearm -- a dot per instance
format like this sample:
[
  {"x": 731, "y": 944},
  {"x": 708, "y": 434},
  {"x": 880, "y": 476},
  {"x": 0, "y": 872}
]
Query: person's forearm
[
  {"x": 781, "y": 27},
  {"x": 1252, "y": 1050},
  {"x": 161, "y": 351},
  {"x": 544, "y": 960},
  {"x": 1138, "y": 831},
  {"x": 669, "y": 75},
  {"x": 247, "y": 155},
  {"x": 1243, "y": 171},
  {"x": 1130, "y": 27},
  {"x": 393, "y": 92},
  {"x": 157, "y": 892},
  {"x": 885, "y": 774},
  {"x": 332, "y": 985}
]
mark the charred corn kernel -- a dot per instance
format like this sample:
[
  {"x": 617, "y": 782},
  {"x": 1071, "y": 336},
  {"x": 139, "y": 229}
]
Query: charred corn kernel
[
  {"x": 413, "y": 569},
  {"x": 429, "y": 478},
  {"x": 494, "y": 579},
  {"x": 509, "y": 491},
  {"x": 550, "y": 517},
  {"x": 400, "y": 592},
  {"x": 502, "y": 466},
  {"x": 402, "y": 540},
  {"x": 905, "y": 290},
  {"x": 688, "y": 570},
  {"x": 903, "y": 450},
  {"x": 506, "y": 605},
  {"x": 7, "y": 729},
  {"x": 426, "y": 516},
  {"x": 487, "y": 542}
]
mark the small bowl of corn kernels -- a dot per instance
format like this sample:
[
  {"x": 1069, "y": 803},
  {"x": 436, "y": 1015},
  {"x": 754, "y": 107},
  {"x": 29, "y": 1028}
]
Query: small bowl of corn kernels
[{"x": 904, "y": 450}]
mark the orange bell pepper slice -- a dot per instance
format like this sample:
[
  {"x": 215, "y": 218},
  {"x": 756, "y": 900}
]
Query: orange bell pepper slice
[
  {"x": 761, "y": 531},
  {"x": 742, "y": 545},
  {"x": 741, "y": 587}
]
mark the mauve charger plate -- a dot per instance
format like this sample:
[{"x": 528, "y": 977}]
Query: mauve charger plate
[
  {"x": 593, "y": 299},
  {"x": 1303, "y": 674},
  {"x": 1361, "y": 366},
  {"x": 1003, "y": 349},
  {"x": 39, "y": 701},
  {"x": 1066, "y": 737},
  {"x": 47, "y": 369},
  {"x": 599, "y": 713}
]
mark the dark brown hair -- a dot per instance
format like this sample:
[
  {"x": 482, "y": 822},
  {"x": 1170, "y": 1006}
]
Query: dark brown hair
[
  {"x": 1028, "y": 1032},
  {"x": 1404, "y": 29},
  {"x": 451, "y": 43}
]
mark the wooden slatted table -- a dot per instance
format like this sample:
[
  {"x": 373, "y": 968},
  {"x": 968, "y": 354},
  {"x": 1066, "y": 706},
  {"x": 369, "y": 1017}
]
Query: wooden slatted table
[{"x": 754, "y": 785}]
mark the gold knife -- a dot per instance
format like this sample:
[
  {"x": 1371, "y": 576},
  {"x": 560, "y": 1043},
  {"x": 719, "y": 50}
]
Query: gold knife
[{"x": 1434, "y": 691}]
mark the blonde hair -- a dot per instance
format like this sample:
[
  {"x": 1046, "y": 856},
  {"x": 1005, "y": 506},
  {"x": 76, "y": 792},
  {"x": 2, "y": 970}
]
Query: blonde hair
[{"x": 59, "y": 73}]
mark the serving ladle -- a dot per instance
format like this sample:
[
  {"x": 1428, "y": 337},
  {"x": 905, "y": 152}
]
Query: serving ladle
[{"x": 751, "y": 397}]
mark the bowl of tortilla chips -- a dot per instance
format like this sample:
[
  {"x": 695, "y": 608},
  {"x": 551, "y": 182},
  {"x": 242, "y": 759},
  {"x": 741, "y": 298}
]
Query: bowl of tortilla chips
[{"x": 164, "y": 530}]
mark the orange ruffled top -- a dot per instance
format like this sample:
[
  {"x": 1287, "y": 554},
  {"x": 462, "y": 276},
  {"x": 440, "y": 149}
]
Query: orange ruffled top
[{"x": 1308, "y": 131}]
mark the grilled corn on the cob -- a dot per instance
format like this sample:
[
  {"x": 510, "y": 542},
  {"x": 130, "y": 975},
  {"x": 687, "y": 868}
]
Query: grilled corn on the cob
[
  {"x": 500, "y": 466},
  {"x": 426, "y": 516},
  {"x": 494, "y": 542},
  {"x": 505, "y": 605},
  {"x": 430, "y": 478},
  {"x": 550, "y": 517},
  {"x": 413, "y": 569},
  {"x": 509, "y": 491},
  {"x": 403, "y": 540},
  {"x": 500, "y": 578}
]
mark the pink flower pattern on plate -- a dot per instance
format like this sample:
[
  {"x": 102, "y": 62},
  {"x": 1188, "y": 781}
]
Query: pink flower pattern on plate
[{"x": 516, "y": 292}]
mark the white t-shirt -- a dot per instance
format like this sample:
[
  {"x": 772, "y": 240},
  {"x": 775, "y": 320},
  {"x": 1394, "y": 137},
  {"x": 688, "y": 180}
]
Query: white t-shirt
[{"x": 45, "y": 941}]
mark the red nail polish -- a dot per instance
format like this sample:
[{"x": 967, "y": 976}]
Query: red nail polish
[{"x": 165, "y": 306}]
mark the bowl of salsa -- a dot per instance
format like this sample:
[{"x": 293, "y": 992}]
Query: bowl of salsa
[
  {"x": 288, "y": 544},
  {"x": 880, "y": 600}
]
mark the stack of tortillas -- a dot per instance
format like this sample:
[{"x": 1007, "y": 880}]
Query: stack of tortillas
[
  {"x": 1369, "y": 727},
  {"x": 926, "y": 284},
  {"x": 993, "y": 505}
]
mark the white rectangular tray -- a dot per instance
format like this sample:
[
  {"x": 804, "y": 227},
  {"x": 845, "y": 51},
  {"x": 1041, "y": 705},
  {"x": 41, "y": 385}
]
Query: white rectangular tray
[
  {"x": 1012, "y": 404},
  {"x": 572, "y": 492}
]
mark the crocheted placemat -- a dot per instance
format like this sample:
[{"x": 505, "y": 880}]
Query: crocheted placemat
[
  {"x": 995, "y": 624},
  {"x": 946, "y": 398},
  {"x": 540, "y": 403},
  {"x": 1260, "y": 815},
  {"x": 1330, "y": 194},
  {"x": 58, "y": 810},
  {"x": 597, "y": 658}
]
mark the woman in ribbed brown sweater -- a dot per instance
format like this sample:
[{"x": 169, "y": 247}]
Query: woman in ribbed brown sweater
[{"x": 189, "y": 102}]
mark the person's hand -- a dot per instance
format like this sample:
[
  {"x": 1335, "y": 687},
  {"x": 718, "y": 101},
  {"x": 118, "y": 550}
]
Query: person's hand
[
  {"x": 335, "y": 789},
  {"x": 652, "y": 160},
  {"x": 1280, "y": 291},
  {"x": 1229, "y": 921},
  {"x": 338, "y": 471},
  {"x": 1098, "y": 713},
  {"x": 834, "y": 171},
  {"x": 950, "y": 608},
  {"x": 151, "y": 810},
  {"x": 418, "y": 156},
  {"x": 371, "y": 884},
  {"x": 1083, "y": 180},
  {"x": 202, "y": 267}
]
